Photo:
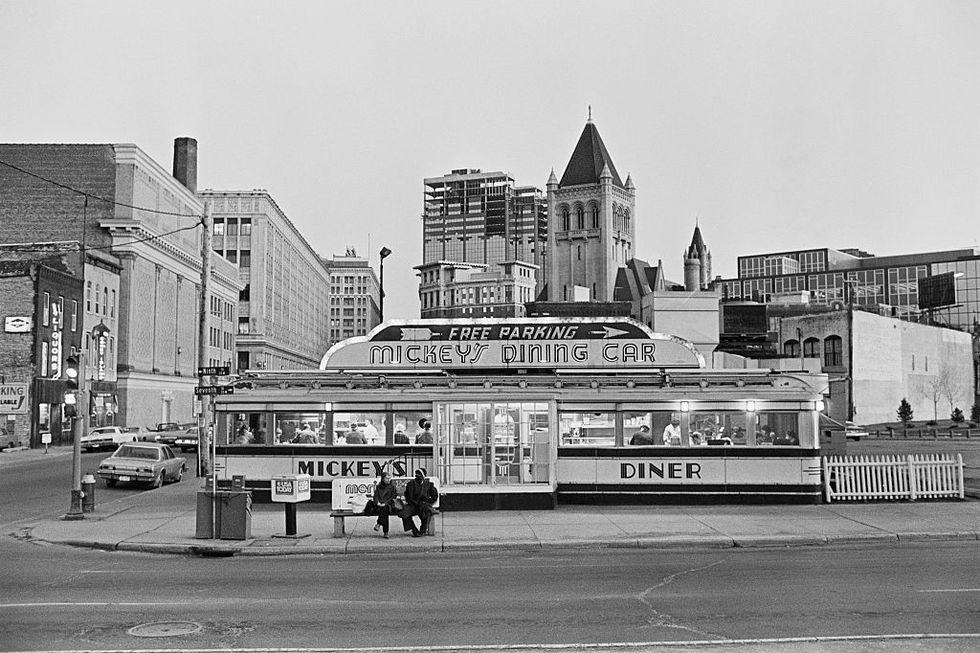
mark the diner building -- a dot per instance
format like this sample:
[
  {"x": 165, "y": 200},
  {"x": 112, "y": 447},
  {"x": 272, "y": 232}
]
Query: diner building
[{"x": 528, "y": 413}]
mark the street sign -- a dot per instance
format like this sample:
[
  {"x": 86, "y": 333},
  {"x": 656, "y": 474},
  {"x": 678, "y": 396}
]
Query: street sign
[
  {"x": 223, "y": 370},
  {"x": 213, "y": 390}
]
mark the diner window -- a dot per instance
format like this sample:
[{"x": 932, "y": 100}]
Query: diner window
[
  {"x": 587, "y": 429},
  {"x": 408, "y": 426},
  {"x": 777, "y": 429},
  {"x": 359, "y": 429},
  {"x": 659, "y": 429},
  {"x": 307, "y": 427},
  {"x": 833, "y": 351},
  {"x": 718, "y": 428}
]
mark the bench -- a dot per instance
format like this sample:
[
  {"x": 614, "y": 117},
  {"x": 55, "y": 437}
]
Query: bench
[
  {"x": 340, "y": 515},
  {"x": 343, "y": 489}
]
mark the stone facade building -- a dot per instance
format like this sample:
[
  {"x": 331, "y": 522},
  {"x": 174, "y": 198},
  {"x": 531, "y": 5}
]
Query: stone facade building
[
  {"x": 282, "y": 313},
  {"x": 591, "y": 218}
]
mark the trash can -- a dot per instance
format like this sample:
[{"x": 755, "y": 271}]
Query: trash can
[
  {"x": 230, "y": 511},
  {"x": 235, "y": 515},
  {"x": 88, "y": 493}
]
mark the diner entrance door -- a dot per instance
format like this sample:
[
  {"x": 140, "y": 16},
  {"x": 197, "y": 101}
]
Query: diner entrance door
[{"x": 494, "y": 443}]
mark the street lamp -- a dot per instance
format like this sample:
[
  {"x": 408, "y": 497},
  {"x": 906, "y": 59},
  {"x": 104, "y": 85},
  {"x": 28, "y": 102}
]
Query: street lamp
[{"x": 385, "y": 252}]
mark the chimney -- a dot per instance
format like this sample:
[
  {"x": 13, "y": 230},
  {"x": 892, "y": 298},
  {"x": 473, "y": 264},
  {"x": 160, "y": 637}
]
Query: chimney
[{"x": 185, "y": 162}]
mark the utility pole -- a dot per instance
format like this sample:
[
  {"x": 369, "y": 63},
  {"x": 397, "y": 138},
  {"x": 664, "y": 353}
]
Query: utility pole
[
  {"x": 204, "y": 461},
  {"x": 78, "y": 430}
]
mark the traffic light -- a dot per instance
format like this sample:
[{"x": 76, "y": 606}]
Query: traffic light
[
  {"x": 71, "y": 372},
  {"x": 70, "y": 401}
]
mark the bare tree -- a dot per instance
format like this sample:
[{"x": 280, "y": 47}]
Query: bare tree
[{"x": 935, "y": 388}]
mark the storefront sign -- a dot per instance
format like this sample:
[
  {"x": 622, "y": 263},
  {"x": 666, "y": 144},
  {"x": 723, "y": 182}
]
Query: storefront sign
[
  {"x": 13, "y": 398},
  {"x": 686, "y": 471},
  {"x": 518, "y": 343},
  {"x": 55, "y": 342},
  {"x": 320, "y": 468},
  {"x": 18, "y": 324},
  {"x": 100, "y": 333}
]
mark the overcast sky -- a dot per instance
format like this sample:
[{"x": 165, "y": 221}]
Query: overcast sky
[{"x": 778, "y": 125}]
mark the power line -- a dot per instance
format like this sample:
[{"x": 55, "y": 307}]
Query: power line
[
  {"x": 79, "y": 248},
  {"x": 97, "y": 197}
]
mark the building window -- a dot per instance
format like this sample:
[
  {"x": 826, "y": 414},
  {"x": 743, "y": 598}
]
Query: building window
[
  {"x": 579, "y": 252},
  {"x": 74, "y": 315},
  {"x": 245, "y": 258},
  {"x": 791, "y": 348},
  {"x": 811, "y": 348},
  {"x": 105, "y": 299},
  {"x": 580, "y": 218},
  {"x": 246, "y": 227},
  {"x": 46, "y": 309},
  {"x": 626, "y": 220},
  {"x": 98, "y": 294},
  {"x": 88, "y": 297},
  {"x": 219, "y": 227},
  {"x": 112, "y": 306},
  {"x": 833, "y": 351}
]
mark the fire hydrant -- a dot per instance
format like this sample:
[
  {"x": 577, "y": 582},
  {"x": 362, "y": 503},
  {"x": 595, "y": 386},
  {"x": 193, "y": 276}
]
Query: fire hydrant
[{"x": 88, "y": 493}]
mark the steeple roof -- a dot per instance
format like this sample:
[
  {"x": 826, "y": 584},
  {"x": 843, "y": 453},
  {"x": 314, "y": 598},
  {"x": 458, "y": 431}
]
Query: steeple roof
[
  {"x": 588, "y": 160},
  {"x": 697, "y": 247}
]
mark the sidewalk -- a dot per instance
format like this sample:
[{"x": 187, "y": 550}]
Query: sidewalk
[{"x": 164, "y": 521}]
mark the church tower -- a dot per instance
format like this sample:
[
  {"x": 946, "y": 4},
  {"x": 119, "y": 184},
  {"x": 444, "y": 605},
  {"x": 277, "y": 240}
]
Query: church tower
[
  {"x": 591, "y": 224},
  {"x": 697, "y": 263}
]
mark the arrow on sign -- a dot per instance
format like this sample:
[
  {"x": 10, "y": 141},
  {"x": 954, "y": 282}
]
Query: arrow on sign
[
  {"x": 613, "y": 332},
  {"x": 421, "y": 333}
]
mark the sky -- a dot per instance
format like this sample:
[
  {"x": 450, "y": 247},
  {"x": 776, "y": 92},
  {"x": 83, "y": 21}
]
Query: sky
[{"x": 774, "y": 125}]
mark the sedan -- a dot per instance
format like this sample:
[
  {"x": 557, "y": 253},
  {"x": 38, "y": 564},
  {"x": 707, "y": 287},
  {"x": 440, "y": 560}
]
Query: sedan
[
  {"x": 187, "y": 441},
  {"x": 106, "y": 436},
  {"x": 147, "y": 462},
  {"x": 854, "y": 432}
]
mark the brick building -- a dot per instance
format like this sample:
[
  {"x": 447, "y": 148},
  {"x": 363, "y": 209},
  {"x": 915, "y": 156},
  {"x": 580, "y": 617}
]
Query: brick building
[
  {"x": 139, "y": 228},
  {"x": 40, "y": 305}
]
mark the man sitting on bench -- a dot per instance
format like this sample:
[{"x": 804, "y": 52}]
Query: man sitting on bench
[{"x": 420, "y": 496}]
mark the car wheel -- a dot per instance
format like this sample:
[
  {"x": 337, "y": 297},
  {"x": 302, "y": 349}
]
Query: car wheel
[
  {"x": 158, "y": 482},
  {"x": 110, "y": 482},
  {"x": 178, "y": 476}
]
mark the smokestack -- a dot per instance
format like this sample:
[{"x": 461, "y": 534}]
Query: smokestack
[{"x": 185, "y": 162}]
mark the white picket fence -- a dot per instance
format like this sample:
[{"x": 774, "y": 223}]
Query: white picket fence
[{"x": 911, "y": 477}]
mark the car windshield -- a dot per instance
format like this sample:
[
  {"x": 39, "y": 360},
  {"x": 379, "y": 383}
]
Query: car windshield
[{"x": 146, "y": 453}]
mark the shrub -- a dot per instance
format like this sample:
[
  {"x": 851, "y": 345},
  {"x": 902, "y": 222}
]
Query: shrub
[
  {"x": 905, "y": 412},
  {"x": 957, "y": 416},
  {"x": 932, "y": 422}
]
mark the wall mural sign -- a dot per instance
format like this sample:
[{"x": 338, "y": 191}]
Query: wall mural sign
[
  {"x": 512, "y": 344},
  {"x": 18, "y": 324},
  {"x": 13, "y": 399}
]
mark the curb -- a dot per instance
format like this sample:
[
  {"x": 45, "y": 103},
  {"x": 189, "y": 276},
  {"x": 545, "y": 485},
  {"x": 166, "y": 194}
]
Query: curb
[{"x": 254, "y": 549}]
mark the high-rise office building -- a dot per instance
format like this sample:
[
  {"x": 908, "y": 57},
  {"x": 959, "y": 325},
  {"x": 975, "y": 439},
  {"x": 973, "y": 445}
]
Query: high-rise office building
[
  {"x": 354, "y": 296},
  {"x": 282, "y": 315}
]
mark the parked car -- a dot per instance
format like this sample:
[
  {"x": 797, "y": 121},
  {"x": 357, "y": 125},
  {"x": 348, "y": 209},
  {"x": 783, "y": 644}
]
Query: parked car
[
  {"x": 142, "y": 435},
  {"x": 188, "y": 440},
  {"x": 854, "y": 432},
  {"x": 106, "y": 437},
  {"x": 145, "y": 462}
]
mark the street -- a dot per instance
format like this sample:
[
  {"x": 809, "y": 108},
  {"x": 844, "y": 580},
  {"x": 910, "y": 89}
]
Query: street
[
  {"x": 55, "y": 598},
  {"x": 33, "y": 483}
]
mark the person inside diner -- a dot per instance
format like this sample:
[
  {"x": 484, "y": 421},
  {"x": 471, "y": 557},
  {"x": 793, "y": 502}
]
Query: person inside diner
[
  {"x": 672, "y": 432},
  {"x": 354, "y": 436},
  {"x": 400, "y": 436},
  {"x": 642, "y": 437},
  {"x": 789, "y": 438}
]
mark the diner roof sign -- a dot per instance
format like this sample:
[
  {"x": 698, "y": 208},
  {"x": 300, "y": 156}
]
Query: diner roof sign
[{"x": 519, "y": 343}]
